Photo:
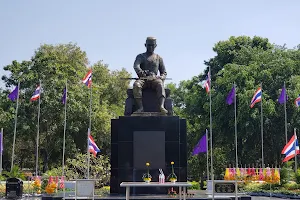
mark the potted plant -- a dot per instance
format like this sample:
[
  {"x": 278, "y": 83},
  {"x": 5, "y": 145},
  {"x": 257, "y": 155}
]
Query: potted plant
[
  {"x": 147, "y": 177},
  {"x": 15, "y": 172},
  {"x": 37, "y": 185},
  {"x": 50, "y": 189}
]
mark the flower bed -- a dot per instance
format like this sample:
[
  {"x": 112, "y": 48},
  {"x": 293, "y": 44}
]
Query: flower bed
[{"x": 288, "y": 190}]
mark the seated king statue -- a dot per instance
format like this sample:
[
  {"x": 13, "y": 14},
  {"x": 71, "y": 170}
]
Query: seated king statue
[{"x": 146, "y": 66}]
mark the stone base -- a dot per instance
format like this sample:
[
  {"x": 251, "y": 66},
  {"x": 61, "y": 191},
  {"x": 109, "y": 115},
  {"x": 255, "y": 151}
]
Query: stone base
[
  {"x": 147, "y": 114},
  {"x": 150, "y": 103}
]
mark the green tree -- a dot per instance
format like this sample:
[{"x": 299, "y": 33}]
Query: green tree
[
  {"x": 53, "y": 65},
  {"x": 247, "y": 62}
]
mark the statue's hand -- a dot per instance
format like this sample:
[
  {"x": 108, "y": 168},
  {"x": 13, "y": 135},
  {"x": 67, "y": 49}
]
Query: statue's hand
[
  {"x": 161, "y": 77},
  {"x": 142, "y": 74}
]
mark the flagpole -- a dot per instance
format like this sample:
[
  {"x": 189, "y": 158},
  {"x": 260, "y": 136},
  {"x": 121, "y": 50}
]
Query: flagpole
[
  {"x": 207, "y": 166},
  {"x": 38, "y": 132},
  {"x": 1, "y": 151},
  {"x": 89, "y": 132},
  {"x": 15, "y": 130},
  {"x": 65, "y": 126},
  {"x": 211, "y": 136},
  {"x": 88, "y": 154},
  {"x": 236, "y": 145},
  {"x": 285, "y": 115},
  {"x": 296, "y": 153},
  {"x": 262, "y": 129}
]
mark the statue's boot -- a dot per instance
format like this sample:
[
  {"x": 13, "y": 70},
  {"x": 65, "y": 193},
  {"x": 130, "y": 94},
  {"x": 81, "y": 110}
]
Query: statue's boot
[
  {"x": 161, "y": 105},
  {"x": 139, "y": 102}
]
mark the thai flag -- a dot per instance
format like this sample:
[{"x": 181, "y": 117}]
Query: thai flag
[
  {"x": 297, "y": 101},
  {"x": 256, "y": 97},
  {"x": 36, "y": 94},
  {"x": 206, "y": 83},
  {"x": 93, "y": 148},
  {"x": 289, "y": 149},
  {"x": 87, "y": 80}
]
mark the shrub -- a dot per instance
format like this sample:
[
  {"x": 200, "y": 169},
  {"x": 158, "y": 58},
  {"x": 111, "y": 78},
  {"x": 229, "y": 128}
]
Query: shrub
[
  {"x": 103, "y": 191},
  {"x": 291, "y": 186},
  {"x": 270, "y": 186},
  {"x": 76, "y": 168},
  {"x": 297, "y": 176},
  {"x": 195, "y": 185},
  {"x": 259, "y": 187},
  {"x": 254, "y": 187},
  {"x": 286, "y": 173}
]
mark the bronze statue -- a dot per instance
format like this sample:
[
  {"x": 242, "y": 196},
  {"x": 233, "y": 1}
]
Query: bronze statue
[{"x": 146, "y": 66}]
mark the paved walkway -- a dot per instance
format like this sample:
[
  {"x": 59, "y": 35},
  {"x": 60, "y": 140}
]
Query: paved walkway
[
  {"x": 198, "y": 194},
  {"x": 253, "y": 198}
]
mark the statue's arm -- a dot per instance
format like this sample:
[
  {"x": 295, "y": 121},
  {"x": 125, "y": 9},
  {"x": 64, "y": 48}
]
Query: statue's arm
[
  {"x": 162, "y": 69},
  {"x": 137, "y": 66}
]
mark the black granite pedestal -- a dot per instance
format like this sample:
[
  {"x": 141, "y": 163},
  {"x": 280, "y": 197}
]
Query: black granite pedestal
[{"x": 136, "y": 140}]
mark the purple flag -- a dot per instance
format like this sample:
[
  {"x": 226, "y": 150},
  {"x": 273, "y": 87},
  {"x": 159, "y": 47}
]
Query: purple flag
[
  {"x": 64, "y": 97},
  {"x": 201, "y": 146},
  {"x": 283, "y": 97},
  {"x": 231, "y": 96},
  {"x": 14, "y": 94}
]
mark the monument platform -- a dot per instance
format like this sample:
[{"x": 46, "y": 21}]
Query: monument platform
[{"x": 136, "y": 140}]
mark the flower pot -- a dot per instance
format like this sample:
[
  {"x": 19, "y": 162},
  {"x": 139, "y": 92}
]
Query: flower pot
[
  {"x": 47, "y": 197},
  {"x": 58, "y": 198},
  {"x": 50, "y": 197}
]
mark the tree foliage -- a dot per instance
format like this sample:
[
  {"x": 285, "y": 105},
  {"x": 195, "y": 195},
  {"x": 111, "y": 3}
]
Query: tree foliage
[
  {"x": 248, "y": 62},
  {"x": 54, "y": 66},
  {"x": 243, "y": 60}
]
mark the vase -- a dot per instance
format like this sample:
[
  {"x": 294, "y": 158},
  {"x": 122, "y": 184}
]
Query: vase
[
  {"x": 147, "y": 180},
  {"x": 173, "y": 180}
]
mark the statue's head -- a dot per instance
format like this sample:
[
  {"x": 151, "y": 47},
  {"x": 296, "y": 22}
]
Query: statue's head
[{"x": 150, "y": 44}]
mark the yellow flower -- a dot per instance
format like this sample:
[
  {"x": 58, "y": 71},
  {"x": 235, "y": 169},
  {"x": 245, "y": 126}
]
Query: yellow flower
[
  {"x": 172, "y": 163},
  {"x": 147, "y": 164}
]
